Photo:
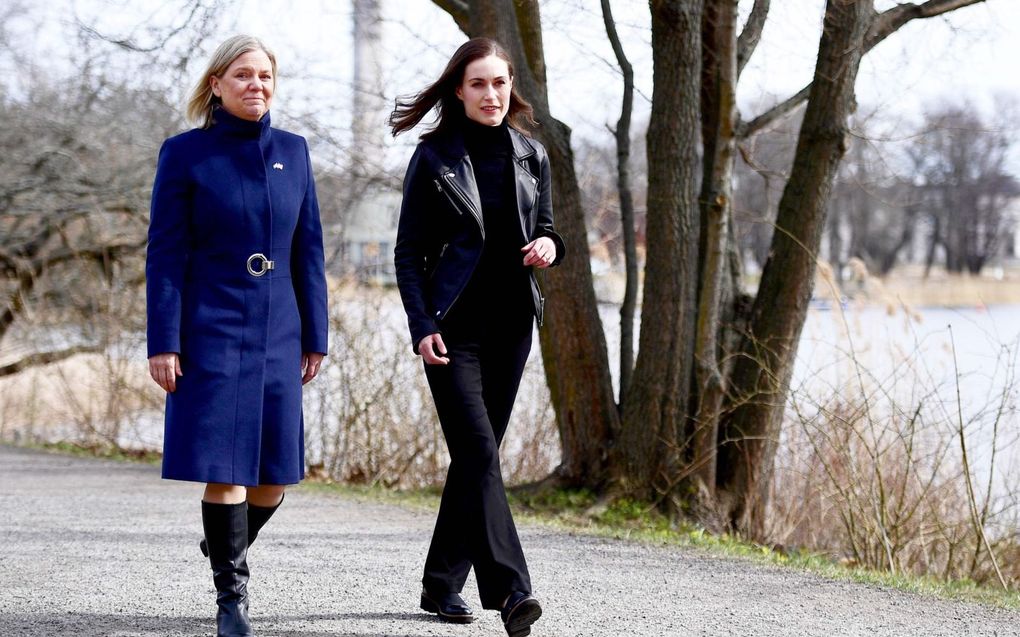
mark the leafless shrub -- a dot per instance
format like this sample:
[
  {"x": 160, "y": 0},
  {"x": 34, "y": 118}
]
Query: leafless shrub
[
  {"x": 99, "y": 399},
  {"x": 531, "y": 449},
  {"x": 369, "y": 417},
  {"x": 366, "y": 416},
  {"x": 885, "y": 470}
]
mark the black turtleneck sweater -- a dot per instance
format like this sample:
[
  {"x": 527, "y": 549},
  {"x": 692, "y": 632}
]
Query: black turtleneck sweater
[{"x": 500, "y": 283}]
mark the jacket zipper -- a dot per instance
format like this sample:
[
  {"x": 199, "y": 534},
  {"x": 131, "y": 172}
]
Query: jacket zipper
[
  {"x": 458, "y": 196},
  {"x": 439, "y": 259},
  {"x": 441, "y": 314},
  {"x": 463, "y": 199}
]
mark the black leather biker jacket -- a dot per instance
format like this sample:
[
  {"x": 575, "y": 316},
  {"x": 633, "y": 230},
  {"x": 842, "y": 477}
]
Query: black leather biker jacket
[{"x": 441, "y": 230}]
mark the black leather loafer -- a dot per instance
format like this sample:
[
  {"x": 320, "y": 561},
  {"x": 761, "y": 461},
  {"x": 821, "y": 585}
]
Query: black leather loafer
[
  {"x": 520, "y": 612},
  {"x": 450, "y": 607}
]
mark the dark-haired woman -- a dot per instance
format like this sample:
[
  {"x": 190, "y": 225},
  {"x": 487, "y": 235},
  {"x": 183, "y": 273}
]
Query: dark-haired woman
[{"x": 475, "y": 222}]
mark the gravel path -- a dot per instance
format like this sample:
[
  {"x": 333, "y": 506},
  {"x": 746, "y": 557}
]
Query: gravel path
[{"x": 91, "y": 547}]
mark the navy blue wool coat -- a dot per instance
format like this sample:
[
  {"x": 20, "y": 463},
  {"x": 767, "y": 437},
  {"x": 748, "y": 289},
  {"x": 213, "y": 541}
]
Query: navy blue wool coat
[{"x": 221, "y": 195}]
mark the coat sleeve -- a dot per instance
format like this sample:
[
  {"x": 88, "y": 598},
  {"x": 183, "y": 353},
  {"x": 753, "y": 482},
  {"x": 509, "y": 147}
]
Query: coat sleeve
[
  {"x": 544, "y": 222},
  {"x": 410, "y": 250},
  {"x": 167, "y": 251},
  {"x": 308, "y": 268}
]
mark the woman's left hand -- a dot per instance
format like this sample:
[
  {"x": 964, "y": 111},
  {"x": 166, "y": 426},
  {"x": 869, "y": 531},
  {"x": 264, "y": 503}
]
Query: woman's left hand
[
  {"x": 310, "y": 363},
  {"x": 540, "y": 253}
]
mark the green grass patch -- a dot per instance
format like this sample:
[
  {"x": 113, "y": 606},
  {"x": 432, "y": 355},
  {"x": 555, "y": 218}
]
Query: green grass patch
[
  {"x": 627, "y": 519},
  {"x": 581, "y": 511},
  {"x": 98, "y": 450}
]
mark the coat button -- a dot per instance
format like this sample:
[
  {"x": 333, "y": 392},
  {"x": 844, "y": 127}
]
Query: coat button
[{"x": 438, "y": 312}]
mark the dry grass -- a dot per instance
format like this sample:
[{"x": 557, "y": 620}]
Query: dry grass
[
  {"x": 908, "y": 286},
  {"x": 89, "y": 398},
  {"x": 369, "y": 417},
  {"x": 889, "y": 471}
]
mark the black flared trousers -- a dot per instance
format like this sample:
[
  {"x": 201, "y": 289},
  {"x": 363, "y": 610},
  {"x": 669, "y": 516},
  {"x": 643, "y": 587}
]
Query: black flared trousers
[{"x": 474, "y": 395}]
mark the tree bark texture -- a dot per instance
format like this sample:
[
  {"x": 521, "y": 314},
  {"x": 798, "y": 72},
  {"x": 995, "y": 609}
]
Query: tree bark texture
[
  {"x": 718, "y": 119},
  {"x": 761, "y": 376},
  {"x": 655, "y": 413}
]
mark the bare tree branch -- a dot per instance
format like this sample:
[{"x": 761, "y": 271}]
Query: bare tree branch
[
  {"x": 622, "y": 134},
  {"x": 769, "y": 117},
  {"x": 129, "y": 44},
  {"x": 751, "y": 34},
  {"x": 888, "y": 22},
  {"x": 90, "y": 253},
  {"x": 883, "y": 25},
  {"x": 45, "y": 358}
]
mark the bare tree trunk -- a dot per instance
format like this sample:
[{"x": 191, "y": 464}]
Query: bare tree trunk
[
  {"x": 859, "y": 205},
  {"x": 656, "y": 406},
  {"x": 888, "y": 261},
  {"x": 648, "y": 444},
  {"x": 622, "y": 134},
  {"x": 833, "y": 223},
  {"x": 761, "y": 376},
  {"x": 718, "y": 117},
  {"x": 574, "y": 349},
  {"x": 933, "y": 244}
]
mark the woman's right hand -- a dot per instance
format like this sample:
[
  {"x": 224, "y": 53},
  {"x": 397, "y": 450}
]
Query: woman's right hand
[
  {"x": 433, "y": 350},
  {"x": 164, "y": 369}
]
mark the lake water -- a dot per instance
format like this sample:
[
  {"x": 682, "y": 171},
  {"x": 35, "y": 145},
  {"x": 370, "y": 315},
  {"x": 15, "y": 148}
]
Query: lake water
[
  {"x": 952, "y": 365},
  {"x": 955, "y": 368}
]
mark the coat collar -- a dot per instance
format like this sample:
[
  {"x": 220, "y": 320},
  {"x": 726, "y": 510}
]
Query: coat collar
[
  {"x": 452, "y": 150},
  {"x": 523, "y": 148},
  {"x": 227, "y": 124}
]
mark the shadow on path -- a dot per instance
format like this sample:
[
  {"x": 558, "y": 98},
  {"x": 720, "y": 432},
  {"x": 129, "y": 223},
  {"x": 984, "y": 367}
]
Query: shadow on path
[{"x": 76, "y": 624}]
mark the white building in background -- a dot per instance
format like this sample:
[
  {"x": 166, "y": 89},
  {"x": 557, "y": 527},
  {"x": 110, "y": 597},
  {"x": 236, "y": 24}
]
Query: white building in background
[
  {"x": 370, "y": 229},
  {"x": 369, "y": 223}
]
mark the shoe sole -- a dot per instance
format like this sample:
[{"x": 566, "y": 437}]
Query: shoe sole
[
  {"x": 430, "y": 606},
  {"x": 521, "y": 618}
]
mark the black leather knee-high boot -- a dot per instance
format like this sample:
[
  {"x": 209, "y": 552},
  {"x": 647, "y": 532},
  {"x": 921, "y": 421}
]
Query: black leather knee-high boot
[
  {"x": 226, "y": 535},
  {"x": 257, "y": 518}
]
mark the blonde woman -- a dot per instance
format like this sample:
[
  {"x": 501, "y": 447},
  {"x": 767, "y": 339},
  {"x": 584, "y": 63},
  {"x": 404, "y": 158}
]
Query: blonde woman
[{"x": 236, "y": 307}]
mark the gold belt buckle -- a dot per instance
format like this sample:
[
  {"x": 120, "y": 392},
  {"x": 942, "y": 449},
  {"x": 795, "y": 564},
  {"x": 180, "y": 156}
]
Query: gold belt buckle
[{"x": 265, "y": 264}]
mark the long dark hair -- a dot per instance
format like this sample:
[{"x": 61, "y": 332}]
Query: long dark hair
[{"x": 442, "y": 95}]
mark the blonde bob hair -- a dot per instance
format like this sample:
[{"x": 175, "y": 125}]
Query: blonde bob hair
[{"x": 202, "y": 101}]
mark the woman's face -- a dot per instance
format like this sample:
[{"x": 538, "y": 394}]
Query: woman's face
[
  {"x": 246, "y": 87},
  {"x": 485, "y": 90}
]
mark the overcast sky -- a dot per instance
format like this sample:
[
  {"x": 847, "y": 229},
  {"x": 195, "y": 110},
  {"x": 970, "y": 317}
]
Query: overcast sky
[{"x": 970, "y": 53}]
